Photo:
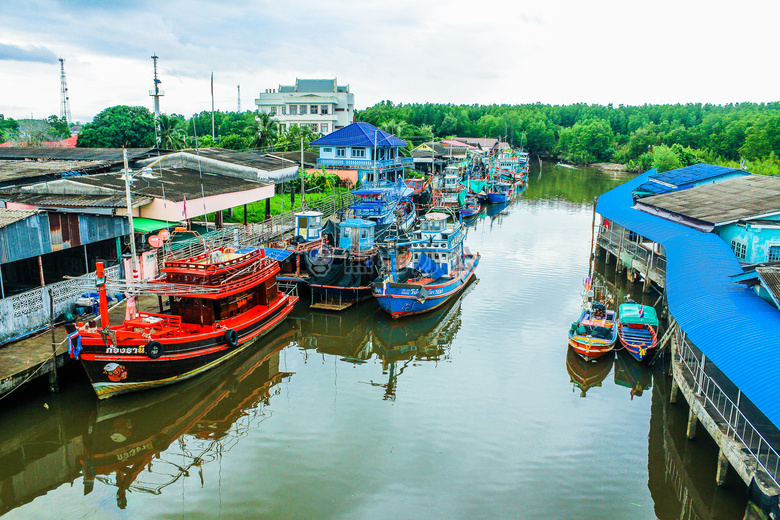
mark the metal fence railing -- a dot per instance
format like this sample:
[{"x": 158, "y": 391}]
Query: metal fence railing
[
  {"x": 255, "y": 234},
  {"x": 624, "y": 241},
  {"x": 723, "y": 408}
]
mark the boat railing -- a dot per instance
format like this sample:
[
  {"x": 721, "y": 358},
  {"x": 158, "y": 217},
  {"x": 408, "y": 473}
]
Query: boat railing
[
  {"x": 289, "y": 288},
  {"x": 253, "y": 234},
  {"x": 158, "y": 320},
  {"x": 618, "y": 243},
  {"x": 722, "y": 408}
]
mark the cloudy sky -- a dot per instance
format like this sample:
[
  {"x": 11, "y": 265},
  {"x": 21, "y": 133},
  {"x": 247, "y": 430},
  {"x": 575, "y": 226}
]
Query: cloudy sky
[{"x": 549, "y": 51}]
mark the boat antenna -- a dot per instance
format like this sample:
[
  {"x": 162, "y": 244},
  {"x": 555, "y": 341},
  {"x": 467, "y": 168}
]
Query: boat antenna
[{"x": 128, "y": 196}]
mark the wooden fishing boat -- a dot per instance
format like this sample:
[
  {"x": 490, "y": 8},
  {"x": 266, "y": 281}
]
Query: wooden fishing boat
[
  {"x": 594, "y": 333},
  {"x": 500, "y": 192},
  {"x": 471, "y": 208},
  {"x": 442, "y": 267},
  {"x": 637, "y": 326},
  {"x": 218, "y": 303}
]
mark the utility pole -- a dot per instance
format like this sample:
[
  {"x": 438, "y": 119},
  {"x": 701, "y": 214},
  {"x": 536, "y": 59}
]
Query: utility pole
[
  {"x": 239, "y": 99},
  {"x": 64, "y": 99},
  {"x": 213, "y": 135}
]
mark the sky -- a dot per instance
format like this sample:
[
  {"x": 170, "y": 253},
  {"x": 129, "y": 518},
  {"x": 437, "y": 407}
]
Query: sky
[{"x": 405, "y": 51}]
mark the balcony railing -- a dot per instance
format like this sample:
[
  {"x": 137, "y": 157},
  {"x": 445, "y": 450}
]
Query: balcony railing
[
  {"x": 723, "y": 409},
  {"x": 366, "y": 163}
]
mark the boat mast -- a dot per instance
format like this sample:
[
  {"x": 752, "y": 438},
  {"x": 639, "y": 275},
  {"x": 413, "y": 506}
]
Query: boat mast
[{"x": 130, "y": 215}]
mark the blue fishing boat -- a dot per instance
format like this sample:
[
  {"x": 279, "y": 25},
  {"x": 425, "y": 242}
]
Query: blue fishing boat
[
  {"x": 385, "y": 205},
  {"x": 637, "y": 326},
  {"x": 442, "y": 267},
  {"x": 471, "y": 208},
  {"x": 499, "y": 192}
]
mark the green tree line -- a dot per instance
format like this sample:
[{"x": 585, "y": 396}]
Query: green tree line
[{"x": 667, "y": 136}]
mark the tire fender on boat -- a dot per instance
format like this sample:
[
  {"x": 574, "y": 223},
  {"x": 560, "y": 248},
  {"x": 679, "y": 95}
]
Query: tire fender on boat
[
  {"x": 231, "y": 338},
  {"x": 154, "y": 349},
  {"x": 422, "y": 295}
]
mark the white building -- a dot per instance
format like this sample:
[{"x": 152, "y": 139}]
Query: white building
[{"x": 321, "y": 104}]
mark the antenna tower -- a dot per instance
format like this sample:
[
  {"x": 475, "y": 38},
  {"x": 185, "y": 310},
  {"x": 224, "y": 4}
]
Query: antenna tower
[
  {"x": 157, "y": 93},
  {"x": 239, "y": 98},
  {"x": 64, "y": 100}
]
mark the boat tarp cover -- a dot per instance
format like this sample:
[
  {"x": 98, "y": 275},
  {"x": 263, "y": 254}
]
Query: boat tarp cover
[
  {"x": 341, "y": 272},
  {"x": 477, "y": 186},
  {"x": 426, "y": 265},
  {"x": 280, "y": 255},
  {"x": 640, "y": 314}
]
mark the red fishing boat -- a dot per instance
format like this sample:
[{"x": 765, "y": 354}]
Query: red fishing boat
[{"x": 218, "y": 303}]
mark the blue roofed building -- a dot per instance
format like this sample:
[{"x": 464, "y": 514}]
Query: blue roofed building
[
  {"x": 363, "y": 147},
  {"x": 723, "y": 328},
  {"x": 685, "y": 178}
]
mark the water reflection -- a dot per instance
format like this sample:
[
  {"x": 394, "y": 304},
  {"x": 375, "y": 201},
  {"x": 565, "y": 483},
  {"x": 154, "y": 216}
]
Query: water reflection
[
  {"x": 587, "y": 374},
  {"x": 357, "y": 335},
  {"x": 632, "y": 374},
  {"x": 681, "y": 472},
  {"x": 147, "y": 441}
]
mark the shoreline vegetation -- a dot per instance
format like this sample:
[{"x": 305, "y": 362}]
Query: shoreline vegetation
[{"x": 736, "y": 135}]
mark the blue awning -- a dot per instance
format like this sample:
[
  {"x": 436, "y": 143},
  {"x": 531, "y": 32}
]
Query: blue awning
[{"x": 728, "y": 322}]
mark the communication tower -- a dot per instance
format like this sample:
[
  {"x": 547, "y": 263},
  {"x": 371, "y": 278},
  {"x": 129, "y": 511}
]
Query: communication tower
[
  {"x": 64, "y": 100},
  {"x": 157, "y": 93}
]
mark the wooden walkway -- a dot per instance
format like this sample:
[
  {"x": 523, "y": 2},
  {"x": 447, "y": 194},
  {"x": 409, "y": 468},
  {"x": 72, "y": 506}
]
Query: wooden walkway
[{"x": 638, "y": 259}]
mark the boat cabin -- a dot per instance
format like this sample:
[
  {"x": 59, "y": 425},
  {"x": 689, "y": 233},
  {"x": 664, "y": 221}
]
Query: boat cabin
[
  {"x": 418, "y": 185},
  {"x": 441, "y": 242},
  {"x": 356, "y": 234},
  {"x": 308, "y": 224}
]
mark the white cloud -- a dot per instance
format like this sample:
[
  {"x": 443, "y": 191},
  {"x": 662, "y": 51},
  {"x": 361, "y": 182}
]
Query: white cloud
[{"x": 557, "y": 51}]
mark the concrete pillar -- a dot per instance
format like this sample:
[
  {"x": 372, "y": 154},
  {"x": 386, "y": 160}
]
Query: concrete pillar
[
  {"x": 690, "y": 432},
  {"x": 674, "y": 393},
  {"x": 723, "y": 466}
]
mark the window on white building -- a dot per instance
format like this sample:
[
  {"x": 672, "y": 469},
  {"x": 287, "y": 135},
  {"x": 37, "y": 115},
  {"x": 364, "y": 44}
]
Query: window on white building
[
  {"x": 324, "y": 128},
  {"x": 324, "y": 110},
  {"x": 273, "y": 111},
  {"x": 293, "y": 110},
  {"x": 314, "y": 127},
  {"x": 327, "y": 150},
  {"x": 313, "y": 109},
  {"x": 341, "y": 152},
  {"x": 358, "y": 152},
  {"x": 284, "y": 110},
  {"x": 283, "y": 127},
  {"x": 303, "y": 110}
]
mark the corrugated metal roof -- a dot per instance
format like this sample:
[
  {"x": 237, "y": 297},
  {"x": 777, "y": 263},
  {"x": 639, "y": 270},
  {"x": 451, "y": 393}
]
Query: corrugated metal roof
[
  {"x": 315, "y": 85},
  {"x": 13, "y": 170},
  {"x": 178, "y": 182},
  {"x": 359, "y": 134},
  {"x": 723, "y": 202},
  {"x": 71, "y": 200},
  {"x": 733, "y": 327},
  {"x": 264, "y": 162},
  {"x": 770, "y": 277},
  {"x": 75, "y": 154},
  {"x": 685, "y": 177},
  {"x": 9, "y": 216}
]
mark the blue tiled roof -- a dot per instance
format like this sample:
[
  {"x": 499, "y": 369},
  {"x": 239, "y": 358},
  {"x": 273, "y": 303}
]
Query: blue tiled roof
[
  {"x": 683, "y": 178},
  {"x": 359, "y": 134},
  {"x": 728, "y": 322}
]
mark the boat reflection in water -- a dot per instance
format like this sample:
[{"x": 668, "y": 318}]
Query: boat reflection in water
[
  {"x": 365, "y": 332},
  {"x": 587, "y": 374},
  {"x": 632, "y": 374},
  {"x": 131, "y": 445}
]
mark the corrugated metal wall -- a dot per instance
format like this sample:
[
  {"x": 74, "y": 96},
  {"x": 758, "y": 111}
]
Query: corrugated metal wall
[{"x": 47, "y": 232}]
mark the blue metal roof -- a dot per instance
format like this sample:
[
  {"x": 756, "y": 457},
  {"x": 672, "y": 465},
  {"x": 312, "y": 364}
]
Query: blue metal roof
[
  {"x": 357, "y": 222},
  {"x": 683, "y": 178},
  {"x": 359, "y": 134},
  {"x": 728, "y": 322}
]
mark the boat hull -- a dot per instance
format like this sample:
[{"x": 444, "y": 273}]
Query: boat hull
[
  {"x": 406, "y": 299},
  {"x": 639, "y": 341},
  {"x": 497, "y": 198},
  {"x": 593, "y": 342},
  {"x": 127, "y": 367}
]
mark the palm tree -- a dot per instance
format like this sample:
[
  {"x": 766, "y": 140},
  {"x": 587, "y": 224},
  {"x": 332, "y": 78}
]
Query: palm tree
[
  {"x": 266, "y": 130},
  {"x": 171, "y": 133}
]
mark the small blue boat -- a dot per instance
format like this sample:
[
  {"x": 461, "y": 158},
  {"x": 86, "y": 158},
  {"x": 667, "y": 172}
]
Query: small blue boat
[
  {"x": 500, "y": 192},
  {"x": 442, "y": 267},
  {"x": 471, "y": 208}
]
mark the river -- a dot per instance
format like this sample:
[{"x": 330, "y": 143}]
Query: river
[{"x": 478, "y": 410}]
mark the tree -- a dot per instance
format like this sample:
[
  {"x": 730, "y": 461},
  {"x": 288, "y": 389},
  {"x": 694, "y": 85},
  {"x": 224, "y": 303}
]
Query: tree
[
  {"x": 171, "y": 132},
  {"x": 58, "y": 128},
  {"x": 664, "y": 159},
  {"x": 762, "y": 138},
  {"x": 119, "y": 126},
  {"x": 265, "y": 130},
  {"x": 8, "y": 128},
  {"x": 234, "y": 142}
]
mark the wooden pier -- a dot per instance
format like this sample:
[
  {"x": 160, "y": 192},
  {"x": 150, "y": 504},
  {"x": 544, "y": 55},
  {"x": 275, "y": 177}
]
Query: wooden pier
[{"x": 638, "y": 257}]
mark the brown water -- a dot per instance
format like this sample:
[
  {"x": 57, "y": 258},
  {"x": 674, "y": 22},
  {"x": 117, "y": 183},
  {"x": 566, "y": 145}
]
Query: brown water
[{"x": 478, "y": 410}]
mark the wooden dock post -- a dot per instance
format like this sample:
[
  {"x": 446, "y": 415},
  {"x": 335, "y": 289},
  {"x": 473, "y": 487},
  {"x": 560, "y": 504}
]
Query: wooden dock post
[
  {"x": 53, "y": 383},
  {"x": 674, "y": 393},
  {"x": 723, "y": 466},
  {"x": 690, "y": 431}
]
